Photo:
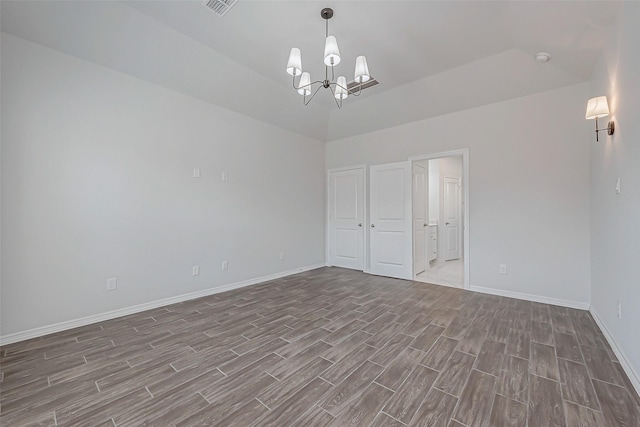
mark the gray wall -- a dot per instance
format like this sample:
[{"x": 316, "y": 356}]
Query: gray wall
[
  {"x": 615, "y": 226},
  {"x": 97, "y": 181},
  {"x": 528, "y": 187}
]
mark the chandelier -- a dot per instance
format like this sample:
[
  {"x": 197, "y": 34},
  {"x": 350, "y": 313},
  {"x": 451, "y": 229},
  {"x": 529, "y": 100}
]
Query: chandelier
[{"x": 338, "y": 87}]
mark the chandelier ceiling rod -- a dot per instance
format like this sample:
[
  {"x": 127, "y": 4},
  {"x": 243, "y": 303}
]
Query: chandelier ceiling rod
[{"x": 338, "y": 87}]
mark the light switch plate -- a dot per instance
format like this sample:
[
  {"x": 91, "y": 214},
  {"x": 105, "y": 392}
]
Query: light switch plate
[{"x": 618, "y": 186}]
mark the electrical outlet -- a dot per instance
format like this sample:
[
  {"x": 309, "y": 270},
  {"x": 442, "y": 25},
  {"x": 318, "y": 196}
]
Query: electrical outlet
[
  {"x": 225, "y": 265},
  {"x": 195, "y": 270},
  {"x": 503, "y": 269},
  {"x": 619, "y": 310},
  {"x": 282, "y": 256},
  {"x": 112, "y": 284}
]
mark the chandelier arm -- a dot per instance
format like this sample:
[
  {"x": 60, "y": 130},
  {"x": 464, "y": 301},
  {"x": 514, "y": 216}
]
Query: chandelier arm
[
  {"x": 307, "y": 85},
  {"x": 305, "y": 102},
  {"x": 359, "y": 90},
  {"x": 333, "y": 93}
]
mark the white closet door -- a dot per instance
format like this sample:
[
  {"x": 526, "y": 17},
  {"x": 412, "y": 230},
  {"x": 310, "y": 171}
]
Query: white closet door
[
  {"x": 346, "y": 217},
  {"x": 390, "y": 224}
]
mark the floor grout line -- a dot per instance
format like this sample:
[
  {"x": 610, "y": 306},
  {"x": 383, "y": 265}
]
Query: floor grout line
[
  {"x": 377, "y": 383},
  {"x": 392, "y": 417},
  {"x": 207, "y": 400},
  {"x": 271, "y": 377},
  {"x": 324, "y": 410},
  {"x": 262, "y": 403}
]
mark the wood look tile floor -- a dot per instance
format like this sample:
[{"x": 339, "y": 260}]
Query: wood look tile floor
[{"x": 326, "y": 347}]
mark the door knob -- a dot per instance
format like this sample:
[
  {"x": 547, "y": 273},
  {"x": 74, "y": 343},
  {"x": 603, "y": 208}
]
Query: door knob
[
  {"x": 425, "y": 225},
  {"x": 446, "y": 223},
  {"x": 359, "y": 224},
  {"x": 373, "y": 226}
]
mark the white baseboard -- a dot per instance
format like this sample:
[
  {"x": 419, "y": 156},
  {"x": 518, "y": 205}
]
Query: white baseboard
[
  {"x": 535, "y": 298},
  {"x": 628, "y": 369},
  {"x": 70, "y": 324}
]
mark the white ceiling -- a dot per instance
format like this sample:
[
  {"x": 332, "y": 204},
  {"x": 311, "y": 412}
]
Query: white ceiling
[{"x": 431, "y": 57}]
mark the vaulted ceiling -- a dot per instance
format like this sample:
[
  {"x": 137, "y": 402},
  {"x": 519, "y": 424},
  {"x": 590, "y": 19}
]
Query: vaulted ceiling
[{"x": 430, "y": 57}]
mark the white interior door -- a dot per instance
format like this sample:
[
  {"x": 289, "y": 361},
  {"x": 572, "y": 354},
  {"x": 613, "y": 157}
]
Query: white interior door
[
  {"x": 452, "y": 218},
  {"x": 346, "y": 217},
  {"x": 390, "y": 225},
  {"x": 419, "y": 202}
]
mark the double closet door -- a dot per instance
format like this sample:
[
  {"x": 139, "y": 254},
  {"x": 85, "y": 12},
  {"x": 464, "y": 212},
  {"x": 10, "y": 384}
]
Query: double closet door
[{"x": 388, "y": 224}]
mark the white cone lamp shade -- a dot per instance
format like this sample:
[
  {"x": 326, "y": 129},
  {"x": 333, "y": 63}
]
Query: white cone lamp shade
[
  {"x": 303, "y": 87},
  {"x": 341, "y": 88},
  {"x": 597, "y": 107},
  {"x": 331, "y": 51},
  {"x": 362, "y": 70},
  {"x": 294, "y": 64}
]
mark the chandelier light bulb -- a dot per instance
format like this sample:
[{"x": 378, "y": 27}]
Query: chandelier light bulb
[
  {"x": 362, "y": 70},
  {"x": 331, "y": 52},
  {"x": 341, "y": 88},
  {"x": 303, "y": 86},
  {"x": 294, "y": 65}
]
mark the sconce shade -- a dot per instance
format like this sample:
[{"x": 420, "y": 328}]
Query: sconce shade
[
  {"x": 341, "y": 88},
  {"x": 303, "y": 86},
  {"x": 597, "y": 107},
  {"x": 331, "y": 51},
  {"x": 362, "y": 70},
  {"x": 294, "y": 65}
]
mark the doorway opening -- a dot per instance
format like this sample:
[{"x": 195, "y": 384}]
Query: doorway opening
[{"x": 440, "y": 218}]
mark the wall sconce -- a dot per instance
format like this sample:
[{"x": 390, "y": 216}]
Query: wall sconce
[{"x": 596, "y": 108}]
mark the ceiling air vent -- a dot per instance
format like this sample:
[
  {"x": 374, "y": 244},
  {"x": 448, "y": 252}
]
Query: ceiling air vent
[
  {"x": 353, "y": 87},
  {"x": 220, "y": 7}
]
